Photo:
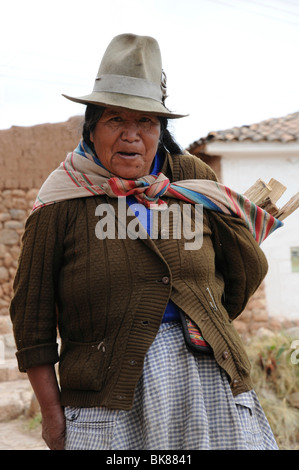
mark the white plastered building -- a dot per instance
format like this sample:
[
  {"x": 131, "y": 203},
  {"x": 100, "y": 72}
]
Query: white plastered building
[{"x": 241, "y": 156}]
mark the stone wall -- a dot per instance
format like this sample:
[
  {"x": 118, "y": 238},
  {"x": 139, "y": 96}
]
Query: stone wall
[{"x": 27, "y": 156}]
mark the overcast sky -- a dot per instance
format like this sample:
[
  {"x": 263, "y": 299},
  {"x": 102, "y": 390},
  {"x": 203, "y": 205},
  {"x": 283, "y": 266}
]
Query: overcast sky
[{"x": 228, "y": 62}]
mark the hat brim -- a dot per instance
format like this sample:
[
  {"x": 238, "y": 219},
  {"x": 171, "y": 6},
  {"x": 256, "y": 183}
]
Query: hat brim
[{"x": 118, "y": 100}]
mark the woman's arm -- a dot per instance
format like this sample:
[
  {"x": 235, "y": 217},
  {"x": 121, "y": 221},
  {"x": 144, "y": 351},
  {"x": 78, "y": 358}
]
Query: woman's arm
[
  {"x": 44, "y": 383},
  {"x": 238, "y": 258},
  {"x": 33, "y": 313}
]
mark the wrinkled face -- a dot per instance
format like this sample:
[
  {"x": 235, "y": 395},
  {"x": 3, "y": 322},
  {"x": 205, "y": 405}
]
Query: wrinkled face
[{"x": 126, "y": 142}]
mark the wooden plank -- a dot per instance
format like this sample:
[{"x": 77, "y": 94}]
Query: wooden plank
[
  {"x": 269, "y": 207},
  {"x": 277, "y": 189},
  {"x": 289, "y": 207},
  {"x": 258, "y": 192},
  {"x": 266, "y": 195}
]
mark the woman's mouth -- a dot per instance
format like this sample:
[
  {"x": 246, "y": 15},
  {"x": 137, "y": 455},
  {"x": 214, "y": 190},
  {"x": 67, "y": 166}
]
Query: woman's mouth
[{"x": 128, "y": 154}]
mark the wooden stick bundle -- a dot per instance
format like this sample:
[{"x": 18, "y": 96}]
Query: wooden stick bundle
[{"x": 266, "y": 196}]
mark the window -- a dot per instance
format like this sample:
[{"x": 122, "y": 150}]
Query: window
[{"x": 295, "y": 259}]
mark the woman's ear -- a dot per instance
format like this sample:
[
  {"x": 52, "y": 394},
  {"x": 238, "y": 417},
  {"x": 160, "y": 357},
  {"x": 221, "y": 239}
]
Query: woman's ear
[{"x": 91, "y": 137}]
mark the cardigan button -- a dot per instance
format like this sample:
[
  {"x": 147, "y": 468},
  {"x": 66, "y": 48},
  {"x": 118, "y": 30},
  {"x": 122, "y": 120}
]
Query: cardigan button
[
  {"x": 165, "y": 280},
  {"x": 132, "y": 363},
  {"x": 224, "y": 355},
  {"x": 235, "y": 383}
]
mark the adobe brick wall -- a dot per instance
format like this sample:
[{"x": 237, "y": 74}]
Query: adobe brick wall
[{"x": 29, "y": 154}]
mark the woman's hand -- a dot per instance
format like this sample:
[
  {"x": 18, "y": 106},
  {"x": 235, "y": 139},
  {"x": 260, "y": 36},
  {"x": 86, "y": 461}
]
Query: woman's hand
[
  {"x": 53, "y": 427},
  {"x": 44, "y": 383}
]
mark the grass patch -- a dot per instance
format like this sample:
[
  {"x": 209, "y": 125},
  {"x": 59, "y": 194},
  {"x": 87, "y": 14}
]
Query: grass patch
[
  {"x": 276, "y": 381},
  {"x": 34, "y": 422}
]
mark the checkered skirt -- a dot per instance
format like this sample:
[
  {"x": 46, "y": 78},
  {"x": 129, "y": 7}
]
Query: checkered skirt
[{"x": 181, "y": 402}]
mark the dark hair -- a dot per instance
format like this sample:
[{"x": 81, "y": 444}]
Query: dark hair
[
  {"x": 93, "y": 113},
  {"x": 167, "y": 142}
]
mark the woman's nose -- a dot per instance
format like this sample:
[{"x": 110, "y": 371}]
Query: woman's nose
[{"x": 130, "y": 131}]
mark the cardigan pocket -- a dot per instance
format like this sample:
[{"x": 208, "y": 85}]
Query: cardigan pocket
[{"x": 82, "y": 365}]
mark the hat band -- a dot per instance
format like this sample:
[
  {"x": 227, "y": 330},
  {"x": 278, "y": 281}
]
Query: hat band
[{"x": 128, "y": 86}]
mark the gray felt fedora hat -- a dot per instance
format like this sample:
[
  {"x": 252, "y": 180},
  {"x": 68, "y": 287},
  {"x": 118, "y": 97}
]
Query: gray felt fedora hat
[{"x": 130, "y": 76}]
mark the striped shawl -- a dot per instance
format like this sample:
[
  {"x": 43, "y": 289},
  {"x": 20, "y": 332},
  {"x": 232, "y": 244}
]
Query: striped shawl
[{"x": 82, "y": 175}]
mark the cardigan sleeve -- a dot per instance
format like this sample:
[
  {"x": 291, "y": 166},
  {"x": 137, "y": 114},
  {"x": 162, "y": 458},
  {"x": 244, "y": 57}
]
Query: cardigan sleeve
[
  {"x": 239, "y": 259},
  {"x": 33, "y": 305}
]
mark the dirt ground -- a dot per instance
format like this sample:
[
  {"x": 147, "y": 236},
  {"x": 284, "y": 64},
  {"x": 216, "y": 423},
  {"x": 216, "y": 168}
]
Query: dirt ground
[{"x": 17, "y": 435}]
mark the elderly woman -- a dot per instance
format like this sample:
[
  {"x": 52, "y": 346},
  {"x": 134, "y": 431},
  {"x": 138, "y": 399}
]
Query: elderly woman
[{"x": 149, "y": 356}]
